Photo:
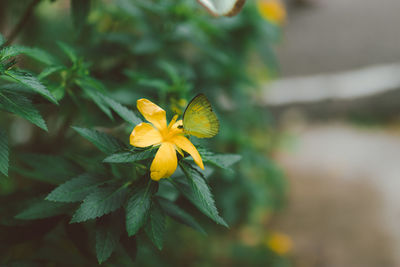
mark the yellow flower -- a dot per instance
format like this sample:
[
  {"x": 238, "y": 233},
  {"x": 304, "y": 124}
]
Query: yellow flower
[
  {"x": 170, "y": 139},
  {"x": 178, "y": 106},
  {"x": 279, "y": 243},
  {"x": 272, "y": 10}
]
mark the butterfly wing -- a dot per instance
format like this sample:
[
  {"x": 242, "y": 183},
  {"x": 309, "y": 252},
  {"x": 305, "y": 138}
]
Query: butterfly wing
[
  {"x": 223, "y": 7},
  {"x": 199, "y": 119}
]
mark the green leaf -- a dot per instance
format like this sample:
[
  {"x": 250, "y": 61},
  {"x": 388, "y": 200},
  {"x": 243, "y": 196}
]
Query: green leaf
[
  {"x": 102, "y": 201},
  {"x": 35, "y": 53},
  {"x": 3, "y": 153},
  {"x": 49, "y": 71},
  {"x": 69, "y": 51},
  {"x": 80, "y": 11},
  {"x": 76, "y": 189},
  {"x": 108, "y": 233},
  {"x": 122, "y": 111},
  {"x": 31, "y": 82},
  {"x": 199, "y": 193},
  {"x": 106, "y": 143},
  {"x": 36, "y": 166},
  {"x": 91, "y": 88},
  {"x": 138, "y": 207},
  {"x": 180, "y": 215},
  {"x": 43, "y": 209},
  {"x": 22, "y": 106},
  {"x": 223, "y": 161},
  {"x": 130, "y": 156},
  {"x": 154, "y": 83},
  {"x": 155, "y": 227},
  {"x": 2, "y": 40}
]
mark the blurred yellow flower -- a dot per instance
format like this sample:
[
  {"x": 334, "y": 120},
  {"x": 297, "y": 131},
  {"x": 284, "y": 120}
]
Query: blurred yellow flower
[
  {"x": 272, "y": 10},
  {"x": 178, "y": 106},
  {"x": 170, "y": 139},
  {"x": 279, "y": 243}
]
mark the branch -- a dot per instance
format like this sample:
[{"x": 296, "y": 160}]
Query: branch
[{"x": 20, "y": 25}]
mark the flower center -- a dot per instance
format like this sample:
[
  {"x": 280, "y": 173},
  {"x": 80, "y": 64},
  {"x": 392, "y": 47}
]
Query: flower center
[{"x": 170, "y": 133}]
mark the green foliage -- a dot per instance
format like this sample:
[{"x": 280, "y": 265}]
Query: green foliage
[
  {"x": 100, "y": 202},
  {"x": 130, "y": 156},
  {"x": 138, "y": 208},
  {"x": 37, "y": 166},
  {"x": 22, "y": 106},
  {"x": 76, "y": 189},
  {"x": 80, "y": 12},
  {"x": 30, "y": 82},
  {"x": 223, "y": 161},
  {"x": 42, "y": 209},
  {"x": 180, "y": 215},
  {"x": 155, "y": 227},
  {"x": 108, "y": 232},
  {"x": 122, "y": 111},
  {"x": 102, "y": 141},
  {"x": 118, "y": 52},
  {"x": 3, "y": 153},
  {"x": 198, "y": 192},
  {"x": 33, "y": 52}
]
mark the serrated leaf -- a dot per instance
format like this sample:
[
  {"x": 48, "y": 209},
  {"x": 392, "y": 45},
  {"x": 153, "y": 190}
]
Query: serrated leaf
[
  {"x": 180, "y": 215},
  {"x": 91, "y": 88},
  {"x": 36, "y": 166},
  {"x": 198, "y": 192},
  {"x": 155, "y": 227},
  {"x": 223, "y": 161},
  {"x": 43, "y": 209},
  {"x": 80, "y": 11},
  {"x": 33, "y": 52},
  {"x": 108, "y": 232},
  {"x": 102, "y": 201},
  {"x": 130, "y": 156},
  {"x": 31, "y": 82},
  {"x": 138, "y": 208},
  {"x": 106, "y": 143},
  {"x": 22, "y": 106},
  {"x": 76, "y": 189},
  {"x": 122, "y": 111},
  {"x": 3, "y": 153},
  {"x": 69, "y": 51}
]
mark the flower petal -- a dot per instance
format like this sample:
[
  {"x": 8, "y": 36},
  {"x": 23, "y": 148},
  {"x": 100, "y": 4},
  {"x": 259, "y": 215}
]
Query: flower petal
[
  {"x": 186, "y": 145},
  {"x": 144, "y": 134},
  {"x": 152, "y": 113},
  {"x": 164, "y": 163}
]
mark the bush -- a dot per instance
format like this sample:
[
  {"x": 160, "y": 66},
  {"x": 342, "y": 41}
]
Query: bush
[{"x": 75, "y": 192}]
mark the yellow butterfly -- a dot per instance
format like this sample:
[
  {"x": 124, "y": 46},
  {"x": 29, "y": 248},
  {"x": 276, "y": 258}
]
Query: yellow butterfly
[{"x": 199, "y": 119}]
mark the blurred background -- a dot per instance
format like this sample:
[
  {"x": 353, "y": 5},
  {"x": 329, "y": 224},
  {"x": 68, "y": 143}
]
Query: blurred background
[
  {"x": 337, "y": 103},
  {"x": 306, "y": 90}
]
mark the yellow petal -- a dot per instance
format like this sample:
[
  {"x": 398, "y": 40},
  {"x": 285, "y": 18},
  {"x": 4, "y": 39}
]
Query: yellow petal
[
  {"x": 144, "y": 134},
  {"x": 152, "y": 113},
  {"x": 272, "y": 10},
  {"x": 164, "y": 163},
  {"x": 172, "y": 122},
  {"x": 186, "y": 145}
]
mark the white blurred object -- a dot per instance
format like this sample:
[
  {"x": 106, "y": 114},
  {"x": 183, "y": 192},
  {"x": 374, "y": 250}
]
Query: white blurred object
[
  {"x": 337, "y": 86},
  {"x": 227, "y": 8}
]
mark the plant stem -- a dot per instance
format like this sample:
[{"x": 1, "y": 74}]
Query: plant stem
[{"x": 21, "y": 23}]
